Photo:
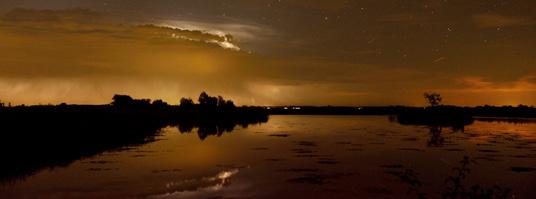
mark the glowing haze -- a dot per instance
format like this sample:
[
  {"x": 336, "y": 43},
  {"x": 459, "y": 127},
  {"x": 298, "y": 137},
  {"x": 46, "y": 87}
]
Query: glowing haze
[{"x": 269, "y": 52}]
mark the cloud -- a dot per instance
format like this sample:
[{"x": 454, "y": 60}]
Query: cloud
[
  {"x": 402, "y": 17},
  {"x": 80, "y": 60},
  {"x": 82, "y": 56},
  {"x": 495, "y": 21},
  {"x": 332, "y": 5},
  {"x": 234, "y": 33},
  {"x": 73, "y": 15},
  {"x": 476, "y": 90},
  {"x": 83, "y": 20},
  {"x": 53, "y": 61},
  {"x": 480, "y": 84}
]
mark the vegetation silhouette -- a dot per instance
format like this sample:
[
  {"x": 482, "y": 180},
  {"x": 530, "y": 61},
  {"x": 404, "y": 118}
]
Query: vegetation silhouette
[
  {"x": 39, "y": 137},
  {"x": 454, "y": 187}
]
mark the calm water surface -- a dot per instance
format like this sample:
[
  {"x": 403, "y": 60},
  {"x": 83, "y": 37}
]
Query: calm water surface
[{"x": 305, "y": 157}]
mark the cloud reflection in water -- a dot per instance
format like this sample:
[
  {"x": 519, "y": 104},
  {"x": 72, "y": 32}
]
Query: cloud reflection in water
[{"x": 194, "y": 188}]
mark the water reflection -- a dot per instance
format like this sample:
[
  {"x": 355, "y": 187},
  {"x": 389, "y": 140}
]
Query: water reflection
[
  {"x": 436, "y": 139},
  {"x": 216, "y": 127},
  {"x": 32, "y": 145},
  {"x": 436, "y": 131},
  {"x": 305, "y": 157},
  {"x": 195, "y": 188}
]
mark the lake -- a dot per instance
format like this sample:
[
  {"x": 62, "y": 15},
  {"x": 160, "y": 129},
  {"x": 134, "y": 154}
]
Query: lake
[{"x": 305, "y": 157}]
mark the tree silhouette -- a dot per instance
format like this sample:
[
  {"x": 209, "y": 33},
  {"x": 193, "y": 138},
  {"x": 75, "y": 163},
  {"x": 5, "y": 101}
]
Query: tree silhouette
[
  {"x": 186, "y": 103},
  {"x": 434, "y": 99},
  {"x": 206, "y": 100},
  {"x": 122, "y": 100},
  {"x": 229, "y": 104},
  {"x": 225, "y": 104},
  {"x": 159, "y": 103},
  {"x": 127, "y": 101}
]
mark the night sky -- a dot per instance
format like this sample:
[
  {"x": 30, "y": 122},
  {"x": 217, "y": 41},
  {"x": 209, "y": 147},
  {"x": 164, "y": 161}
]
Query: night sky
[{"x": 269, "y": 52}]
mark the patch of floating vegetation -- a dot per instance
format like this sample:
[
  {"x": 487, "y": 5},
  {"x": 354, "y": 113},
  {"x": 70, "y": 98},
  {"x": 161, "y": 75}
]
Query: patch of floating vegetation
[
  {"x": 392, "y": 166},
  {"x": 139, "y": 156},
  {"x": 355, "y": 149},
  {"x": 488, "y": 151},
  {"x": 231, "y": 166},
  {"x": 306, "y": 155},
  {"x": 302, "y": 150},
  {"x": 456, "y": 150},
  {"x": 523, "y": 169},
  {"x": 410, "y": 149},
  {"x": 377, "y": 143},
  {"x": 299, "y": 170},
  {"x": 274, "y": 159},
  {"x": 317, "y": 179},
  {"x": 378, "y": 190},
  {"x": 306, "y": 143},
  {"x": 279, "y": 135},
  {"x": 314, "y": 179},
  {"x": 165, "y": 171},
  {"x": 328, "y": 161},
  {"x": 100, "y": 162},
  {"x": 343, "y": 143},
  {"x": 487, "y": 158},
  {"x": 102, "y": 169},
  {"x": 410, "y": 139},
  {"x": 260, "y": 148}
]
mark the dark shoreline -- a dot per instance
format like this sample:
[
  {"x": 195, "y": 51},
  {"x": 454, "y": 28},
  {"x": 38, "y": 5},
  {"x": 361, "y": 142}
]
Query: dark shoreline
[
  {"x": 39, "y": 137},
  {"x": 479, "y": 111}
]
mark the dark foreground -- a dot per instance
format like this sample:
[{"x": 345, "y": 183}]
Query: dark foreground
[
  {"x": 39, "y": 137},
  {"x": 299, "y": 157}
]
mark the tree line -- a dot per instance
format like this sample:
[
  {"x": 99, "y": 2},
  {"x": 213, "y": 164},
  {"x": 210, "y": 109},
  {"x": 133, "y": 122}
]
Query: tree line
[{"x": 204, "y": 101}]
